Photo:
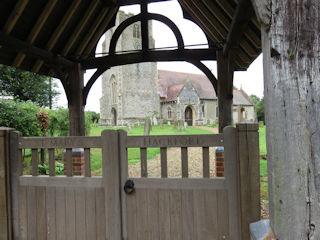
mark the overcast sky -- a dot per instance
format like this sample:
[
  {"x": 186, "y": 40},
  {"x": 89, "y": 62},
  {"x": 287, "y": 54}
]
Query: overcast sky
[{"x": 250, "y": 81}]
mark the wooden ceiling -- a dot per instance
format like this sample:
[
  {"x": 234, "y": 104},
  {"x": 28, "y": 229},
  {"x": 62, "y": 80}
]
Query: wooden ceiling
[{"x": 48, "y": 37}]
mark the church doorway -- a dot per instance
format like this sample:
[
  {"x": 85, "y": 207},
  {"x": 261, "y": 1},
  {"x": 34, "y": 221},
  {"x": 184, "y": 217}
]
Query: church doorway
[
  {"x": 188, "y": 115},
  {"x": 114, "y": 117}
]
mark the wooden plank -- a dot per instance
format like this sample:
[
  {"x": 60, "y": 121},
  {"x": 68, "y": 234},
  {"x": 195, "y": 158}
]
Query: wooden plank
[
  {"x": 70, "y": 213},
  {"x": 58, "y": 181},
  {"x": 248, "y": 157},
  {"x": 57, "y": 33},
  {"x": 61, "y": 231},
  {"x": 36, "y": 29},
  {"x": 124, "y": 176},
  {"x": 206, "y": 163},
  {"x": 14, "y": 16},
  {"x": 131, "y": 217},
  {"x": 41, "y": 223},
  {"x": 184, "y": 162},
  {"x": 222, "y": 214},
  {"x": 32, "y": 212},
  {"x": 175, "y": 215},
  {"x": 111, "y": 182},
  {"x": 87, "y": 162},
  {"x": 51, "y": 212},
  {"x": 15, "y": 167},
  {"x": 90, "y": 214},
  {"x": 68, "y": 156},
  {"x": 199, "y": 213},
  {"x": 60, "y": 142},
  {"x": 80, "y": 195},
  {"x": 34, "y": 162},
  {"x": 52, "y": 162},
  {"x": 20, "y": 161},
  {"x": 175, "y": 141},
  {"x": 4, "y": 191},
  {"x": 187, "y": 215},
  {"x": 100, "y": 214},
  {"x": 179, "y": 183},
  {"x": 23, "y": 213},
  {"x": 153, "y": 213},
  {"x": 164, "y": 214},
  {"x": 210, "y": 217},
  {"x": 144, "y": 163},
  {"x": 142, "y": 214},
  {"x": 232, "y": 181},
  {"x": 164, "y": 162}
]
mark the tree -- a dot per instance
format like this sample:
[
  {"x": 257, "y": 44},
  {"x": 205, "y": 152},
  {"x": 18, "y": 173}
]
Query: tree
[
  {"x": 258, "y": 106},
  {"x": 290, "y": 42},
  {"x": 26, "y": 86}
]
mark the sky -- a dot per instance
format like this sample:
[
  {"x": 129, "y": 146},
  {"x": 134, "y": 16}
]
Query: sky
[{"x": 251, "y": 81}]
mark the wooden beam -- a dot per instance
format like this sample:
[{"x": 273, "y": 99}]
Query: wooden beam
[
  {"x": 36, "y": 29},
  {"x": 225, "y": 88},
  {"x": 100, "y": 31},
  {"x": 16, "y": 45},
  {"x": 150, "y": 56},
  {"x": 80, "y": 27},
  {"x": 14, "y": 16},
  {"x": 92, "y": 31},
  {"x": 115, "y": 3},
  {"x": 59, "y": 30},
  {"x": 242, "y": 16}
]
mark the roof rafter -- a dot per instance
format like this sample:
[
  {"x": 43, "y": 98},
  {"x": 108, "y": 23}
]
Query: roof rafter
[
  {"x": 80, "y": 27},
  {"x": 36, "y": 29},
  {"x": 241, "y": 17},
  {"x": 15, "y": 15},
  {"x": 57, "y": 33}
]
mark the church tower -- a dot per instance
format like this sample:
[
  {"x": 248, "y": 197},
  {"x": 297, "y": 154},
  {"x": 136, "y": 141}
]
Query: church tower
[{"x": 129, "y": 92}]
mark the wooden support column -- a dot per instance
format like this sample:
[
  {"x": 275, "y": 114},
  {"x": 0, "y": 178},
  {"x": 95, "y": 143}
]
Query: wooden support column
[
  {"x": 225, "y": 88},
  {"x": 74, "y": 92},
  {"x": 5, "y": 198}
]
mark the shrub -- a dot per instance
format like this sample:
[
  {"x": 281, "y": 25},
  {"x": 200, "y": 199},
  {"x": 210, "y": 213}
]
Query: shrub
[
  {"x": 20, "y": 115},
  {"x": 59, "y": 122},
  {"x": 93, "y": 116}
]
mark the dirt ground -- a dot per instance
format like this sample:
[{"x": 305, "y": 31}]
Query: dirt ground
[{"x": 194, "y": 163}]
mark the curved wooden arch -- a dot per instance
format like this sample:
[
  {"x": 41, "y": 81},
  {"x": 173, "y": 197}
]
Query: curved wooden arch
[{"x": 149, "y": 16}]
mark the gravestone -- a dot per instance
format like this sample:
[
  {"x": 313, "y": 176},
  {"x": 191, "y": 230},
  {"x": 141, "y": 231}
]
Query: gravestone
[
  {"x": 161, "y": 123},
  {"x": 147, "y": 126},
  {"x": 181, "y": 125}
]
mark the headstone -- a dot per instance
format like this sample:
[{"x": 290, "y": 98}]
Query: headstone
[
  {"x": 175, "y": 124},
  {"x": 129, "y": 128},
  {"x": 181, "y": 125},
  {"x": 161, "y": 123},
  {"x": 169, "y": 123},
  {"x": 147, "y": 126},
  {"x": 185, "y": 124},
  {"x": 155, "y": 121}
]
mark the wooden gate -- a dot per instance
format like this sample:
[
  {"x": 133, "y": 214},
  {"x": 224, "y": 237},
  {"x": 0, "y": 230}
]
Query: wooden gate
[{"x": 114, "y": 206}]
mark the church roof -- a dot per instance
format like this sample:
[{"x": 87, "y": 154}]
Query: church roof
[{"x": 171, "y": 83}]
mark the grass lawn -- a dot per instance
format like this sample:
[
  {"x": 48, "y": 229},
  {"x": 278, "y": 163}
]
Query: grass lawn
[
  {"x": 263, "y": 164},
  {"x": 134, "y": 153}
]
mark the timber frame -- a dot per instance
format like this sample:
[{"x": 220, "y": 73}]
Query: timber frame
[{"x": 58, "y": 38}]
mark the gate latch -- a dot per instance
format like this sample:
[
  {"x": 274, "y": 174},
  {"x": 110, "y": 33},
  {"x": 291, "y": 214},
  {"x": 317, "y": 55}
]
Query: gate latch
[{"x": 129, "y": 187}]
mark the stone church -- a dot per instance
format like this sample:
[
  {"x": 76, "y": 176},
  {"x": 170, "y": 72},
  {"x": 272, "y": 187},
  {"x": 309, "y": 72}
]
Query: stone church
[{"x": 130, "y": 93}]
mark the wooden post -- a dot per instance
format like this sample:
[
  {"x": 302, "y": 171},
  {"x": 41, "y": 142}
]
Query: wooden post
[
  {"x": 75, "y": 102},
  {"x": 248, "y": 157},
  {"x": 111, "y": 182},
  {"x": 290, "y": 42},
  {"x": 225, "y": 88},
  {"x": 5, "y": 198}
]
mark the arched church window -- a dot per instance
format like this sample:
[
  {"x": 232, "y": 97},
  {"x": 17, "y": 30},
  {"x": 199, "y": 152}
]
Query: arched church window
[
  {"x": 169, "y": 113},
  {"x": 136, "y": 31},
  {"x": 113, "y": 89}
]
